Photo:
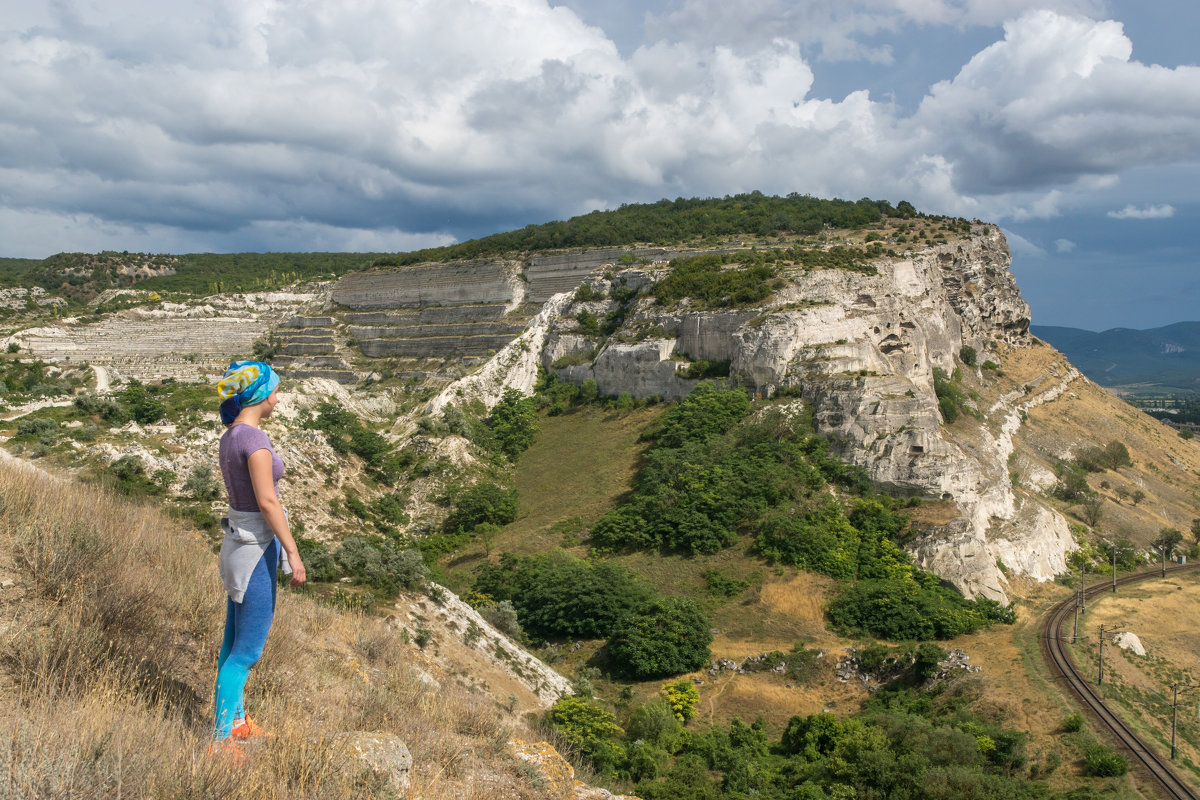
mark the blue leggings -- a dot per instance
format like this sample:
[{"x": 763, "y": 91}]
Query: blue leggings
[{"x": 246, "y": 627}]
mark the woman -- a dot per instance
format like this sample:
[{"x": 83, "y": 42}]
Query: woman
[{"x": 256, "y": 528}]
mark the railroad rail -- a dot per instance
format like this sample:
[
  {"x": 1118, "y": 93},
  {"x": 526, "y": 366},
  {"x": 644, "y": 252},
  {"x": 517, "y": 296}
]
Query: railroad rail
[{"x": 1057, "y": 655}]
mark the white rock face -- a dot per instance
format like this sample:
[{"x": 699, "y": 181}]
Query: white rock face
[
  {"x": 861, "y": 350},
  {"x": 1129, "y": 641}
]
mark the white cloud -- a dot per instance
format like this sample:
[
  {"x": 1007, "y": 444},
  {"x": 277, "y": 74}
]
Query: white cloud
[
  {"x": 1063, "y": 246},
  {"x": 221, "y": 120},
  {"x": 1020, "y": 246},
  {"x": 1149, "y": 212},
  {"x": 838, "y": 29}
]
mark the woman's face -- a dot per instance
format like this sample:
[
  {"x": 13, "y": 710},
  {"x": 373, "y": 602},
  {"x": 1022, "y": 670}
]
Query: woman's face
[{"x": 269, "y": 403}]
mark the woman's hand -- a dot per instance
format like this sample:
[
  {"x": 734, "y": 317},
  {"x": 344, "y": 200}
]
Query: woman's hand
[{"x": 297, "y": 569}]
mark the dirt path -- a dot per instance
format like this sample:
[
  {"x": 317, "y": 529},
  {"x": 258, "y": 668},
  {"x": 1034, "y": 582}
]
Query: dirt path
[{"x": 101, "y": 379}]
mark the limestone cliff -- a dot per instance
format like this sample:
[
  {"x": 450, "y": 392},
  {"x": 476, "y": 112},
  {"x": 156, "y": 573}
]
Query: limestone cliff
[{"x": 860, "y": 349}]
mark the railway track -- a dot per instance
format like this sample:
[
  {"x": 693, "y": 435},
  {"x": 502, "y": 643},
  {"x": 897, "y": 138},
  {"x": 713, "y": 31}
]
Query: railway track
[{"x": 1056, "y": 653}]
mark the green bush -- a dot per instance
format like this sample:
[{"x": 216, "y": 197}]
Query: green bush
[
  {"x": 918, "y": 608},
  {"x": 483, "y": 502},
  {"x": 513, "y": 423},
  {"x": 201, "y": 484},
  {"x": 141, "y": 404},
  {"x": 968, "y": 355},
  {"x": 657, "y": 724},
  {"x": 44, "y": 431},
  {"x": 1072, "y": 723},
  {"x": 709, "y": 283},
  {"x": 666, "y": 636},
  {"x": 683, "y": 697},
  {"x": 557, "y": 595},
  {"x": 503, "y": 617},
  {"x": 589, "y": 730},
  {"x": 346, "y": 434},
  {"x": 91, "y": 403},
  {"x": 382, "y": 564},
  {"x": 1100, "y": 762},
  {"x": 319, "y": 563}
]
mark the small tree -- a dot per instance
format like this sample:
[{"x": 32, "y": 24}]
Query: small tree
[
  {"x": 1091, "y": 508},
  {"x": 514, "y": 423},
  {"x": 968, "y": 355},
  {"x": 1167, "y": 540},
  {"x": 667, "y": 636},
  {"x": 683, "y": 697},
  {"x": 1137, "y": 496}
]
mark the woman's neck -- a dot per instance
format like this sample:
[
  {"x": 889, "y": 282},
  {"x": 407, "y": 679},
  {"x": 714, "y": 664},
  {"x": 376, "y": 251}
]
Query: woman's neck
[{"x": 248, "y": 416}]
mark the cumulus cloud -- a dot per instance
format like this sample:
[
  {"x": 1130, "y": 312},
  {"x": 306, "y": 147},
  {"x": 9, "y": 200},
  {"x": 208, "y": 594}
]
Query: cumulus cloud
[
  {"x": 840, "y": 31},
  {"x": 1149, "y": 212},
  {"x": 372, "y": 123},
  {"x": 1020, "y": 246},
  {"x": 1063, "y": 246}
]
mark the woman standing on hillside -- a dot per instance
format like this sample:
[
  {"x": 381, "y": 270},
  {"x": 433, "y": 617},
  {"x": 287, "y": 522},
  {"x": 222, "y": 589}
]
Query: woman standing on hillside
[{"x": 256, "y": 528}]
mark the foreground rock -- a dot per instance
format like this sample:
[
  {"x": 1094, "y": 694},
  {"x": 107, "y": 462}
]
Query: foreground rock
[{"x": 378, "y": 759}]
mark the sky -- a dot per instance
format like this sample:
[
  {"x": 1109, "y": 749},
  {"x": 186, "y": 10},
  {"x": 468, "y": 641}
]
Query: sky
[{"x": 369, "y": 125}]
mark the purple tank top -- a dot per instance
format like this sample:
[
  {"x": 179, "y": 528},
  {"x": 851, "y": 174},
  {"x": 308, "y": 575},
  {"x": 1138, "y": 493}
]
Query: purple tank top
[{"x": 237, "y": 443}]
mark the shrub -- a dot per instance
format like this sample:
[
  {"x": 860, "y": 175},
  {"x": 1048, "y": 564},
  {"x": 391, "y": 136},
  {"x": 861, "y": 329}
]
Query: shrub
[
  {"x": 589, "y": 730},
  {"x": 201, "y": 484},
  {"x": 657, "y": 724},
  {"x": 382, "y": 564},
  {"x": 1113, "y": 455},
  {"x": 503, "y": 617},
  {"x": 143, "y": 407},
  {"x": 513, "y": 423},
  {"x": 319, "y": 563},
  {"x": 916, "y": 609},
  {"x": 390, "y": 508},
  {"x": 1072, "y": 723},
  {"x": 91, "y": 403},
  {"x": 710, "y": 284},
  {"x": 557, "y": 595},
  {"x": 683, "y": 697},
  {"x": 968, "y": 355},
  {"x": 483, "y": 502},
  {"x": 1100, "y": 762},
  {"x": 45, "y": 431},
  {"x": 664, "y": 637}
]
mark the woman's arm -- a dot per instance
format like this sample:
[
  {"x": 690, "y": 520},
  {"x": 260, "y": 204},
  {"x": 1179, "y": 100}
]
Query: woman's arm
[{"x": 264, "y": 492}]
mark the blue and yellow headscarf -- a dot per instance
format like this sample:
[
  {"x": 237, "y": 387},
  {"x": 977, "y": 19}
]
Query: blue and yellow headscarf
[{"x": 245, "y": 383}]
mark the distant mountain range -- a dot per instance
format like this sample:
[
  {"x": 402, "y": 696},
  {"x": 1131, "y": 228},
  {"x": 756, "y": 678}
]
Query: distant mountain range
[{"x": 1166, "y": 358}]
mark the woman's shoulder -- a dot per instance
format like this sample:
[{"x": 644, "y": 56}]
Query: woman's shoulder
[{"x": 246, "y": 437}]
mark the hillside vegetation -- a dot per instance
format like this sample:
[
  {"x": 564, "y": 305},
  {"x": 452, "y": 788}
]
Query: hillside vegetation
[
  {"x": 672, "y": 222},
  {"x": 113, "y": 616}
]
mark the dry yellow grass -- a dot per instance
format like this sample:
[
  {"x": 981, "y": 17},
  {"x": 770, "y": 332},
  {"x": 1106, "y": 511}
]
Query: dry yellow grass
[{"x": 111, "y": 633}]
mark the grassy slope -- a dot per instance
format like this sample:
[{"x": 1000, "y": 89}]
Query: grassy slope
[{"x": 113, "y": 620}]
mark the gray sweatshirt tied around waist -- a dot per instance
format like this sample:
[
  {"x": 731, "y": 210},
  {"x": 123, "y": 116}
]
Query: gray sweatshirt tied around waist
[{"x": 247, "y": 537}]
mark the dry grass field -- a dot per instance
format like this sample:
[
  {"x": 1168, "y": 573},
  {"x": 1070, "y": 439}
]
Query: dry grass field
[{"x": 112, "y": 617}]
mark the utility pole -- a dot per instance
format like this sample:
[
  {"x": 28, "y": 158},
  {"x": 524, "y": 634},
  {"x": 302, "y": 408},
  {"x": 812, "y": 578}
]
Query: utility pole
[
  {"x": 1100, "y": 682},
  {"x": 1083, "y": 588},
  {"x": 1075, "y": 630},
  {"x": 1114, "y": 554},
  {"x": 1175, "y": 689},
  {"x": 1163, "y": 550}
]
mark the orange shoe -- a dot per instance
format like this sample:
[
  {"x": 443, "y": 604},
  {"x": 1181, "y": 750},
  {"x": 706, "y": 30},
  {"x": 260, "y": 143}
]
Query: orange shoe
[
  {"x": 227, "y": 749},
  {"x": 248, "y": 729}
]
